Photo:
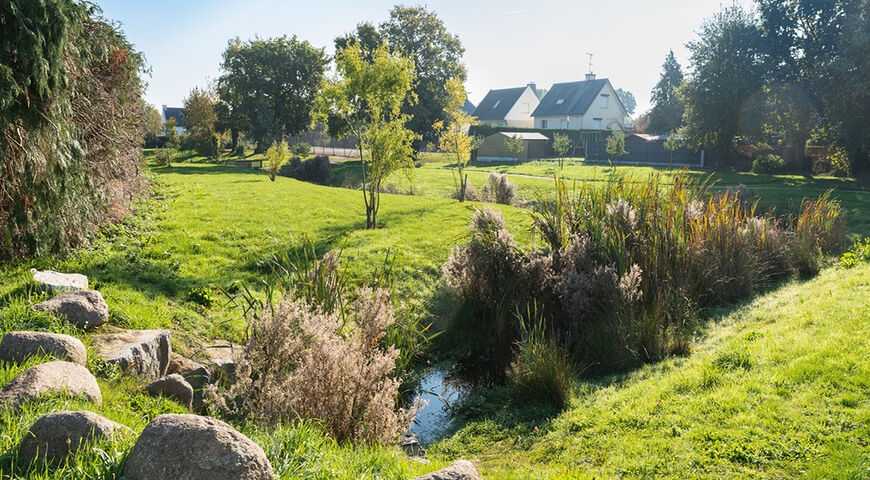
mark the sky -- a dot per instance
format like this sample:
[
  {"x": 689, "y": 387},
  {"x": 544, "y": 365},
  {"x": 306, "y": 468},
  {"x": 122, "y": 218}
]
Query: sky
[{"x": 508, "y": 43}]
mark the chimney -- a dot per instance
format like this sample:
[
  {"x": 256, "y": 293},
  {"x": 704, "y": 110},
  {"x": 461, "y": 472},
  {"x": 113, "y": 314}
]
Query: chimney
[
  {"x": 590, "y": 76},
  {"x": 533, "y": 87}
]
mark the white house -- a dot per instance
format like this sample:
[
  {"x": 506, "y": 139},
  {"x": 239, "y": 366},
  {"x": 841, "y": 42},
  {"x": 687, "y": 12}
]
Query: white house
[
  {"x": 511, "y": 107},
  {"x": 177, "y": 114},
  {"x": 586, "y": 105}
]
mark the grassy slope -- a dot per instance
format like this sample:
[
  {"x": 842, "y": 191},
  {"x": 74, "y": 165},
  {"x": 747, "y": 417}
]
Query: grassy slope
[
  {"x": 802, "y": 396},
  {"x": 776, "y": 388}
]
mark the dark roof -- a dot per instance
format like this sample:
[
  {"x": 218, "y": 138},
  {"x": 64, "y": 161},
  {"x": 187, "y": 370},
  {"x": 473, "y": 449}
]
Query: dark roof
[
  {"x": 497, "y": 103},
  {"x": 468, "y": 108},
  {"x": 576, "y": 97},
  {"x": 175, "y": 112}
]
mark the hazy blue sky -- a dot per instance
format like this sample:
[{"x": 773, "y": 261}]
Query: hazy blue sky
[{"x": 507, "y": 42}]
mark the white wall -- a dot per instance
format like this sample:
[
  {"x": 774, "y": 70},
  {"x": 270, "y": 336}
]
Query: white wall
[
  {"x": 612, "y": 118},
  {"x": 520, "y": 115}
]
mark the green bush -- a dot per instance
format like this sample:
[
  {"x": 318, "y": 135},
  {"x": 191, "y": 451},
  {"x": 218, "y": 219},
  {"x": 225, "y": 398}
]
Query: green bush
[{"x": 768, "y": 163}]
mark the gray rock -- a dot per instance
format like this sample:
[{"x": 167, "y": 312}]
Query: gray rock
[
  {"x": 51, "y": 378},
  {"x": 172, "y": 386},
  {"x": 57, "y": 435},
  {"x": 192, "y": 447},
  {"x": 82, "y": 308},
  {"x": 222, "y": 358},
  {"x": 458, "y": 470},
  {"x": 18, "y": 346},
  {"x": 138, "y": 352},
  {"x": 411, "y": 446},
  {"x": 196, "y": 374},
  {"x": 59, "y": 282}
]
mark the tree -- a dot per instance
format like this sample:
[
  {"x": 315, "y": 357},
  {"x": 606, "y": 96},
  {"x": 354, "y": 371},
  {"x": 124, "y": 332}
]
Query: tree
[
  {"x": 436, "y": 54},
  {"x": 561, "y": 145},
  {"x": 276, "y": 157},
  {"x": 200, "y": 119},
  {"x": 453, "y": 131},
  {"x": 366, "y": 36},
  {"x": 541, "y": 93},
  {"x": 616, "y": 143},
  {"x": 515, "y": 144},
  {"x": 367, "y": 97},
  {"x": 269, "y": 86},
  {"x": 627, "y": 99},
  {"x": 152, "y": 125},
  {"x": 728, "y": 68},
  {"x": 170, "y": 147},
  {"x": 666, "y": 115}
]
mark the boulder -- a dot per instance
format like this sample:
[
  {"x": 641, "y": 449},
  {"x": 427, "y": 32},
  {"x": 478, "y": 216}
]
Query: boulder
[
  {"x": 83, "y": 308},
  {"x": 17, "y": 346},
  {"x": 458, "y": 470},
  {"x": 59, "y": 282},
  {"x": 411, "y": 446},
  {"x": 51, "y": 377},
  {"x": 172, "y": 386},
  {"x": 195, "y": 448},
  {"x": 222, "y": 358},
  {"x": 139, "y": 352},
  {"x": 196, "y": 374},
  {"x": 57, "y": 435},
  {"x": 181, "y": 365}
]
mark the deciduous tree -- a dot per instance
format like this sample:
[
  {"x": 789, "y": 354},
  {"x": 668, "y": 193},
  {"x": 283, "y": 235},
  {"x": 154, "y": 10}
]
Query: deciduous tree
[
  {"x": 367, "y": 96},
  {"x": 453, "y": 131},
  {"x": 627, "y": 99}
]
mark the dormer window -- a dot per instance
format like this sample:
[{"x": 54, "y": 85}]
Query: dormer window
[
  {"x": 560, "y": 101},
  {"x": 496, "y": 104}
]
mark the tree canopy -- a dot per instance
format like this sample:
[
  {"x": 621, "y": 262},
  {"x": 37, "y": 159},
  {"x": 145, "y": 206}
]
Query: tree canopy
[
  {"x": 667, "y": 113},
  {"x": 269, "y": 86},
  {"x": 628, "y": 100}
]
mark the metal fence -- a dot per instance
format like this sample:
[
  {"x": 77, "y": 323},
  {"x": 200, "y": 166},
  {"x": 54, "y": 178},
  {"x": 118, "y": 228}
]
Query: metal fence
[{"x": 650, "y": 153}]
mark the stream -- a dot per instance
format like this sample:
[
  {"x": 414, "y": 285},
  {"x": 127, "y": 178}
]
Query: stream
[{"x": 433, "y": 419}]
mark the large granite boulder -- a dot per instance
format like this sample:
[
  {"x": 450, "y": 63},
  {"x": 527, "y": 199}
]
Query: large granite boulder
[
  {"x": 139, "y": 352},
  {"x": 172, "y": 386},
  {"x": 51, "y": 378},
  {"x": 458, "y": 470},
  {"x": 222, "y": 356},
  {"x": 57, "y": 435},
  {"x": 18, "y": 346},
  {"x": 83, "y": 308},
  {"x": 195, "y": 448},
  {"x": 59, "y": 282}
]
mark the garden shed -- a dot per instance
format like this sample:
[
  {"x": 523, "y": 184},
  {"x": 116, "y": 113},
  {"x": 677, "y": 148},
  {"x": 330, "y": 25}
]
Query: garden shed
[{"x": 535, "y": 146}]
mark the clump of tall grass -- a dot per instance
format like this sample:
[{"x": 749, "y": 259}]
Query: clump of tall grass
[
  {"x": 627, "y": 265},
  {"x": 499, "y": 189}
]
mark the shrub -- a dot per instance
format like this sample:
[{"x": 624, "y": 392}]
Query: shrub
[
  {"x": 768, "y": 163},
  {"x": 628, "y": 265},
  {"x": 860, "y": 252},
  {"x": 276, "y": 157},
  {"x": 471, "y": 194},
  {"x": 301, "y": 149},
  {"x": 301, "y": 363},
  {"x": 165, "y": 156},
  {"x": 314, "y": 170},
  {"x": 499, "y": 189},
  {"x": 71, "y": 119}
]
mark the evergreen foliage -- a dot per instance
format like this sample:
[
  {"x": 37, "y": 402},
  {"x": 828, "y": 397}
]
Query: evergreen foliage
[{"x": 71, "y": 121}]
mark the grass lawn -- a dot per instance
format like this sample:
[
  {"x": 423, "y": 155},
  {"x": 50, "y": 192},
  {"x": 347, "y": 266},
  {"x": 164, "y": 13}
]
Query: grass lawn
[{"x": 776, "y": 387}]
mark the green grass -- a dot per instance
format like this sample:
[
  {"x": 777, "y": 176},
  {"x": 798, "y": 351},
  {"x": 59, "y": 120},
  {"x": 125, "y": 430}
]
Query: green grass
[{"x": 775, "y": 388}]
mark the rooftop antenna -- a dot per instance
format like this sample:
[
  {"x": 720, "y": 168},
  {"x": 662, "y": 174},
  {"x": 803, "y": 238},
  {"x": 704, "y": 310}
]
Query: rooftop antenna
[{"x": 590, "y": 61}]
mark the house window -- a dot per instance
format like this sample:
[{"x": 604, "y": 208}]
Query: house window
[
  {"x": 604, "y": 101},
  {"x": 496, "y": 104},
  {"x": 560, "y": 101},
  {"x": 564, "y": 123},
  {"x": 525, "y": 107},
  {"x": 596, "y": 123},
  {"x": 543, "y": 124}
]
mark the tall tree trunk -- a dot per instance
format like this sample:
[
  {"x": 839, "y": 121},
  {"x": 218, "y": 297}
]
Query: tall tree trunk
[{"x": 234, "y": 134}]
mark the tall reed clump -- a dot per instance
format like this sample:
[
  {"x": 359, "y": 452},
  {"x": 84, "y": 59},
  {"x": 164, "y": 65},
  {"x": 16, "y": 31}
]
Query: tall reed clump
[
  {"x": 326, "y": 352},
  {"x": 626, "y": 266}
]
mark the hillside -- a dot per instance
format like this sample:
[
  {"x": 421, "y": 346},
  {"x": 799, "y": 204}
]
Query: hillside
[{"x": 775, "y": 387}]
